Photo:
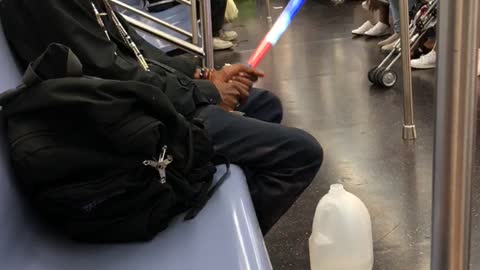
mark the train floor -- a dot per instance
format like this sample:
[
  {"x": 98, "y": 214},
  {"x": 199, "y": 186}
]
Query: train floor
[{"x": 320, "y": 73}]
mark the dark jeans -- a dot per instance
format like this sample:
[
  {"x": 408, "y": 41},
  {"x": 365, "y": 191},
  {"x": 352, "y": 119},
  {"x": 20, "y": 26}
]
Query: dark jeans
[
  {"x": 218, "y": 15},
  {"x": 279, "y": 162}
]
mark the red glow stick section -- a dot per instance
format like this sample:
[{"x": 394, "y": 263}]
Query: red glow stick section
[{"x": 260, "y": 52}]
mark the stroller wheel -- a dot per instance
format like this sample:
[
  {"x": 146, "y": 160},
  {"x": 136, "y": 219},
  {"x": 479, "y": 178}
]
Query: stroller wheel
[
  {"x": 371, "y": 74},
  {"x": 377, "y": 80},
  {"x": 387, "y": 78}
]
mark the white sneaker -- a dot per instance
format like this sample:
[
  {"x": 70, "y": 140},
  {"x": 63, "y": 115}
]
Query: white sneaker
[
  {"x": 379, "y": 30},
  {"x": 365, "y": 5},
  {"x": 362, "y": 29},
  {"x": 228, "y": 35},
  {"x": 389, "y": 40},
  {"x": 427, "y": 61},
  {"x": 220, "y": 44},
  {"x": 389, "y": 47}
]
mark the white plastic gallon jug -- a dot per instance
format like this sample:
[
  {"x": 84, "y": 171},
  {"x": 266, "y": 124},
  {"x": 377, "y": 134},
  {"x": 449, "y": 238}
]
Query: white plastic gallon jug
[{"x": 342, "y": 233}]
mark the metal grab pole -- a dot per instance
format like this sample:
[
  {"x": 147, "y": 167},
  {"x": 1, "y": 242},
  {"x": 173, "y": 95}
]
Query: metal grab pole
[
  {"x": 409, "y": 129},
  {"x": 207, "y": 36},
  {"x": 193, "y": 14},
  {"x": 185, "y": 2},
  {"x": 185, "y": 45},
  {"x": 268, "y": 6},
  {"x": 454, "y": 133}
]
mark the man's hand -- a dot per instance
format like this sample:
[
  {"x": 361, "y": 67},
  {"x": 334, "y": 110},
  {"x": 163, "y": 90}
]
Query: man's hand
[
  {"x": 231, "y": 94},
  {"x": 237, "y": 72},
  {"x": 234, "y": 83}
]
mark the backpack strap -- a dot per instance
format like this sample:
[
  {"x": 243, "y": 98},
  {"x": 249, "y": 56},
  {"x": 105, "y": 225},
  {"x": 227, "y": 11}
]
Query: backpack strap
[
  {"x": 207, "y": 193},
  {"x": 57, "y": 61},
  {"x": 224, "y": 177},
  {"x": 71, "y": 67},
  {"x": 30, "y": 77}
]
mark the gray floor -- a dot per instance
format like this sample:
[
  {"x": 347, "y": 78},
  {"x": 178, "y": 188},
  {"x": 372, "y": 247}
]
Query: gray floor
[{"x": 320, "y": 73}]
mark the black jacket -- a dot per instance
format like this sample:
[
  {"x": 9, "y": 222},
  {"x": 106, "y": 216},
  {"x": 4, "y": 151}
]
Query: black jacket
[{"x": 31, "y": 25}]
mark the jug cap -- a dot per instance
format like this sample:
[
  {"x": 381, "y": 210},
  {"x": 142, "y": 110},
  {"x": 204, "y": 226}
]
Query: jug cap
[{"x": 336, "y": 188}]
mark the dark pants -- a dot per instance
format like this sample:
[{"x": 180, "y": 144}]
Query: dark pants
[
  {"x": 218, "y": 15},
  {"x": 279, "y": 162}
]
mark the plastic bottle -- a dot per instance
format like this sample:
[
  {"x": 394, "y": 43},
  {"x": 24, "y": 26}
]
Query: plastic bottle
[{"x": 342, "y": 233}]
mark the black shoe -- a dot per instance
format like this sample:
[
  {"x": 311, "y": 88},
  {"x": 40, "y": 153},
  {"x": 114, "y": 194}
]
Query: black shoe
[{"x": 160, "y": 5}]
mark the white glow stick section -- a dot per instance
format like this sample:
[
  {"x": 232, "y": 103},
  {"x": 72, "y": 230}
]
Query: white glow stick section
[{"x": 283, "y": 21}]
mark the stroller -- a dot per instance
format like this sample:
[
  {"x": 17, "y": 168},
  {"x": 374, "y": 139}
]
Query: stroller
[{"x": 424, "y": 19}]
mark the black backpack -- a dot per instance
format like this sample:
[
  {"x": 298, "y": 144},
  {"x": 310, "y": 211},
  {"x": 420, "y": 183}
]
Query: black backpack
[{"x": 106, "y": 161}]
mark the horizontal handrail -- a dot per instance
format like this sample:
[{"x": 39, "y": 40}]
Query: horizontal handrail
[
  {"x": 153, "y": 18},
  {"x": 185, "y": 2},
  {"x": 187, "y": 46}
]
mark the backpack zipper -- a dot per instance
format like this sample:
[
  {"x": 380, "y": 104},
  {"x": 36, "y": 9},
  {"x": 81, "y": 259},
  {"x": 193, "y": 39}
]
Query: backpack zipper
[{"x": 161, "y": 164}]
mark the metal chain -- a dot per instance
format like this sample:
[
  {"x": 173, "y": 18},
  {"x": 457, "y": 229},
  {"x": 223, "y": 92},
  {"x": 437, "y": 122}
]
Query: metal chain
[
  {"x": 123, "y": 33},
  {"x": 99, "y": 15}
]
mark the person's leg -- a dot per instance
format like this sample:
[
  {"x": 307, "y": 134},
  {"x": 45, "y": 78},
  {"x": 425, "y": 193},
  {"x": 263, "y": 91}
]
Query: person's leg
[
  {"x": 218, "y": 15},
  {"x": 395, "y": 10},
  {"x": 384, "y": 14},
  {"x": 367, "y": 25},
  {"x": 388, "y": 44},
  {"x": 218, "y": 8},
  {"x": 263, "y": 105},
  {"x": 279, "y": 162},
  {"x": 395, "y": 15},
  {"x": 382, "y": 28}
]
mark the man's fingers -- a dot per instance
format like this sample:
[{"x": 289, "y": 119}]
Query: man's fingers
[
  {"x": 239, "y": 68},
  {"x": 251, "y": 76},
  {"x": 237, "y": 85},
  {"x": 256, "y": 73},
  {"x": 233, "y": 102},
  {"x": 244, "y": 80},
  {"x": 242, "y": 88},
  {"x": 252, "y": 72},
  {"x": 235, "y": 69}
]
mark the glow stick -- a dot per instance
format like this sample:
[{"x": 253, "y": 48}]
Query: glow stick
[{"x": 276, "y": 32}]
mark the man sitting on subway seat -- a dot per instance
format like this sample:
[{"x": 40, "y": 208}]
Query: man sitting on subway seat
[{"x": 278, "y": 161}]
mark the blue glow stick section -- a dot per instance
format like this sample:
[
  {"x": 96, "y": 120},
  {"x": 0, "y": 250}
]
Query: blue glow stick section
[{"x": 284, "y": 21}]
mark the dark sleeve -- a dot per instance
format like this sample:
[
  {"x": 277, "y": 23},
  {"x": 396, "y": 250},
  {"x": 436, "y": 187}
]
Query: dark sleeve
[
  {"x": 209, "y": 91},
  {"x": 73, "y": 24},
  {"x": 181, "y": 64}
]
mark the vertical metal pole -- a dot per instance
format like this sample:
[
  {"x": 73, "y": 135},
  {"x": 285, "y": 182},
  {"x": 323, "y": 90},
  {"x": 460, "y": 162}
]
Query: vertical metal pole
[
  {"x": 207, "y": 36},
  {"x": 193, "y": 7},
  {"x": 456, "y": 109},
  {"x": 409, "y": 130},
  {"x": 268, "y": 6}
]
